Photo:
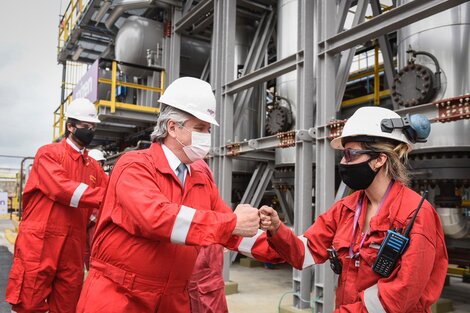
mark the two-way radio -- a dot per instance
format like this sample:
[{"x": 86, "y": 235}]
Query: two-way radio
[{"x": 393, "y": 246}]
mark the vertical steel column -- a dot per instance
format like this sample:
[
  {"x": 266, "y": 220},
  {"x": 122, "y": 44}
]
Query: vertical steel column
[
  {"x": 347, "y": 58},
  {"x": 62, "y": 87},
  {"x": 223, "y": 68},
  {"x": 216, "y": 65},
  {"x": 173, "y": 70},
  {"x": 384, "y": 44},
  {"x": 323, "y": 290},
  {"x": 303, "y": 149}
]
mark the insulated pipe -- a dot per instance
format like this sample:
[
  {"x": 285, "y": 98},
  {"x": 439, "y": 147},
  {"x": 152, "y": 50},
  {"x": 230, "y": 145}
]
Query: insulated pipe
[
  {"x": 122, "y": 8},
  {"x": 453, "y": 222}
]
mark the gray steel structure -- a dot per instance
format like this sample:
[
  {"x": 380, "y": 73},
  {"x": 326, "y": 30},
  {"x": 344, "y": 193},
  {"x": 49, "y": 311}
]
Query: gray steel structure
[
  {"x": 321, "y": 76},
  {"x": 319, "y": 42}
]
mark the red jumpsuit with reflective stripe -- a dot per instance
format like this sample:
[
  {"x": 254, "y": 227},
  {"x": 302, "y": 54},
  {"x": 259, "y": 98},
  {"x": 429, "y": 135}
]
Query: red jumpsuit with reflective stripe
[
  {"x": 416, "y": 282},
  {"x": 146, "y": 240},
  {"x": 47, "y": 271}
]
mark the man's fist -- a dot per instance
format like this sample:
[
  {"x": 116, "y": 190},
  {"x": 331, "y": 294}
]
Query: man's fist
[{"x": 247, "y": 220}]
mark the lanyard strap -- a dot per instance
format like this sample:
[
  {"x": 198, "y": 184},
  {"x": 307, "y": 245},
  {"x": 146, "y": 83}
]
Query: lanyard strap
[{"x": 357, "y": 214}]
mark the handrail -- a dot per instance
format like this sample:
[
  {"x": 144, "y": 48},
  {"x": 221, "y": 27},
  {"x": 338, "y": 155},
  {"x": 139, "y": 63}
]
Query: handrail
[
  {"x": 68, "y": 21},
  {"x": 59, "y": 118}
]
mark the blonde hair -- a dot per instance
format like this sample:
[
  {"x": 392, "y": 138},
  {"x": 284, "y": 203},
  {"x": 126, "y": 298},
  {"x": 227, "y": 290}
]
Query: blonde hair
[{"x": 397, "y": 159}]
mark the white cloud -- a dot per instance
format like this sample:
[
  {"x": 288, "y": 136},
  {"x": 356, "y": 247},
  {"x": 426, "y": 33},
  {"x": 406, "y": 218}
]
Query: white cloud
[{"x": 30, "y": 77}]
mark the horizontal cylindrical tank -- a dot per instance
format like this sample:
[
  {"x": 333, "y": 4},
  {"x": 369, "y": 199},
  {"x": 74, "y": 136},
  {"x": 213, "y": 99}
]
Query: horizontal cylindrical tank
[{"x": 135, "y": 38}]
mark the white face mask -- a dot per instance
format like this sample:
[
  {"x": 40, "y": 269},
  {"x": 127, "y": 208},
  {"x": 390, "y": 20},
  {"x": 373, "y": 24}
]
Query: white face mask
[{"x": 200, "y": 145}]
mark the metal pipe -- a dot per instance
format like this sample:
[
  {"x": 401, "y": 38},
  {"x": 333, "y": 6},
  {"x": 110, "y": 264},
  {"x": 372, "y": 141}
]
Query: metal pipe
[
  {"x": 20, "y": 195},
  {"x": 453, "y": 222},
  {"x": 121, "y": 9}
]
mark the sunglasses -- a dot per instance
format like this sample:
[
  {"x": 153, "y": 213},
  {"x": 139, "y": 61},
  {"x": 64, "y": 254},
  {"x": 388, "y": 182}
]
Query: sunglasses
[
  {"x": 352, "y": 154},
  {"x": 86, "y": 125}
]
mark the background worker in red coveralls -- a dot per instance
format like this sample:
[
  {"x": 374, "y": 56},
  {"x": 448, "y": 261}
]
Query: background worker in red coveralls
[
  {"x": 356, "y": 225},
  {"x": 159, "y": 208},
  {"x": 64, "y": 186},
  {"x": 206, "y": 286},
  {"x": 98, "y": 156}
]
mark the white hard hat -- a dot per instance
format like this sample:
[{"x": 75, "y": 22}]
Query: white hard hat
[
  {"x": 193, "y": 96},
  {"x": 367, "y": 121},
  {"x": 96, "y": 154},
  {"x": 83, "y": 110}
]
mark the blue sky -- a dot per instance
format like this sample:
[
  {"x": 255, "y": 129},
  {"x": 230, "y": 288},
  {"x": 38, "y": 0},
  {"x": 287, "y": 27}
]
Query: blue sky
[{"x": 30, "y": 77}]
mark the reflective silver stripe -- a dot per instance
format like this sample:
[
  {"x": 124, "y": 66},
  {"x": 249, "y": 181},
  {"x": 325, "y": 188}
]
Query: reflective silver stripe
[
  {"x": 308, "y": 258},
  {"x": 246, "y": 244},
  {"x": 77, "y": 194},
  {"x": 182, "y": 225},
  {"x": 372, "y": 301}
]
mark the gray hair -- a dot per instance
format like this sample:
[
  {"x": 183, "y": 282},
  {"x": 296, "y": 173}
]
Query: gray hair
[{"x": 167, "y": 113}]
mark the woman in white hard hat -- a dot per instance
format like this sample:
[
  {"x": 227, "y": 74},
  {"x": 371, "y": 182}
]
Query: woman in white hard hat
[{"x": 375, "y": 143}]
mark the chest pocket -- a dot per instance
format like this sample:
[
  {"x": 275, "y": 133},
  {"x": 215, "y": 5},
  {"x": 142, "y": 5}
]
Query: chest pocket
[
  {"x": 198, "y": 197},
  {"x": 372, "y": 246},
  {"x": 369, "y": 254}
]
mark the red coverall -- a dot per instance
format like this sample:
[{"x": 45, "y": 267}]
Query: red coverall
[
  {"x": 146, "y": 240},
  {"x": 206, "y": 286},
  {"x": 417, "y": 280},
  {"x": 47, "y": 270}
]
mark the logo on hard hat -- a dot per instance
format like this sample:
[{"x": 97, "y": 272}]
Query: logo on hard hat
[{"x": 211, "y": 112}]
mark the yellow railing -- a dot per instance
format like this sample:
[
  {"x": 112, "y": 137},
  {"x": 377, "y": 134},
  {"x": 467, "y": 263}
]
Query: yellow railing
[
  {"x": 362, "y": 99},
  {"x": 69, "y": 19},
  {"x": 59, "y": 119},
  {"x": 59, "y": 113},
  {"x": 376, "y": 76},
  {"x": 113, "y": 104},
  {"x": 378, "y": 94}
]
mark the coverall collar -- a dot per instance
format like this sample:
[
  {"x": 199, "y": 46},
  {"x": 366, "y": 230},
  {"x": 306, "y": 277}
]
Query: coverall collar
[
  {"x": 164, "y": 167},
  {"x": 172, "y": 159},
  {"x": 73, "y": 150},
  {"x": 388, "y": 212}
]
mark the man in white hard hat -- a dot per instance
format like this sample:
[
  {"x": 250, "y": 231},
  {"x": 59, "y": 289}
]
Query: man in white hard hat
[
  {"x": 65, "y": 185},
  {"x": 160, "y": 206}
]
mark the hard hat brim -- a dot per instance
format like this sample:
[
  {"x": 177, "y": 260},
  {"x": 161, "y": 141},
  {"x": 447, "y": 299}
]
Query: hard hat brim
[
  {"x": 84, "y": 119},
  {"x": 203, "y": 117},
  {"x": 337, "y": 143}
]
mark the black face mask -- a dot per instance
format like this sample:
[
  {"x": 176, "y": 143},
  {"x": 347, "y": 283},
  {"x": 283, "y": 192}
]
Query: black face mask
[
  {"x": 357, "y": 176},
  {"x": 85, "y": 135}
]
